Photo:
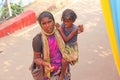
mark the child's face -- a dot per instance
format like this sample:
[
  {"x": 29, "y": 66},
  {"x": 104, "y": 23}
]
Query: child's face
[
  {"x": 47, "y": 24},
  {"x": 68, "y": 23}
]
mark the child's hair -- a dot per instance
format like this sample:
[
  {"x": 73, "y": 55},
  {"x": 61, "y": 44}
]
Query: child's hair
[
  {"x": 45, "y": 14},
  {"x": 69, "y": 14}
]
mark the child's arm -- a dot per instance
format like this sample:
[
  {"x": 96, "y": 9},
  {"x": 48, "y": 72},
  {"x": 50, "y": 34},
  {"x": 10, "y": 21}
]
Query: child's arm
[{"x": 66, "y": 38}]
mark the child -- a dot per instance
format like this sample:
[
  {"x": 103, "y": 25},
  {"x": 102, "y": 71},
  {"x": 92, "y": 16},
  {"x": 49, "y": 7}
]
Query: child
[{"x": 69, "y": 31}]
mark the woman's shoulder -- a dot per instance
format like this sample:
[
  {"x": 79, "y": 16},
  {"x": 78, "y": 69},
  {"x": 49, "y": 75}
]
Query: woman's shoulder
[
  {"x": 37, "y": 43},
  {"x": 37, "y": 37}
]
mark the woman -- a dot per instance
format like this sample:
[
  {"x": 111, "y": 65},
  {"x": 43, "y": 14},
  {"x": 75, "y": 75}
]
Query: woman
[{"x": 49, "y": 45}]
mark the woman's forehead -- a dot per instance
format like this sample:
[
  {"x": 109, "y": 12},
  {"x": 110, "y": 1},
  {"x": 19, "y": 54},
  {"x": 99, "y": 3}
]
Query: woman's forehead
[{"x": 46, "y": 19}]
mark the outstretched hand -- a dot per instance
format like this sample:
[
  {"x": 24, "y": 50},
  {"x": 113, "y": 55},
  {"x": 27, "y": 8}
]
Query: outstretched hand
[
  {"x": 80, "y": 28},
  {"x": 48, "y": 66}
]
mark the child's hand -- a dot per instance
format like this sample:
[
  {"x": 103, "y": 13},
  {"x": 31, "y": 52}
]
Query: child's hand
[
  {"x": 80, "y": 28},
  {"x": 57, "y": 25}
]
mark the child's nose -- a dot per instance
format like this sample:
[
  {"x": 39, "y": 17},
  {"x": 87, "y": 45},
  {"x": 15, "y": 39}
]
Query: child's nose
[{"x": 65, "y": 23}]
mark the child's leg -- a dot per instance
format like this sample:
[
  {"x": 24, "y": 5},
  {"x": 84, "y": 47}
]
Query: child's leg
[{"x": 64, "y": 65}]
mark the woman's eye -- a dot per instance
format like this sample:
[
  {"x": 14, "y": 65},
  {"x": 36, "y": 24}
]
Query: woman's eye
[
  {"x": 43, "y": 23},
  {"x": 49, "y": 21}
]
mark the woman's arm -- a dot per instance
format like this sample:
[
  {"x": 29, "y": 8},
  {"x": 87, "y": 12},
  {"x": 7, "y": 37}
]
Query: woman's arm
[
  {"x": 39, "y": 61},
  {"x": 37, "y": 58}
]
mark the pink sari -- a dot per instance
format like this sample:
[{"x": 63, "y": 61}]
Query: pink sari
[
  {"x": 55, "y": 55},
  {"x": 56, "y": 60}
]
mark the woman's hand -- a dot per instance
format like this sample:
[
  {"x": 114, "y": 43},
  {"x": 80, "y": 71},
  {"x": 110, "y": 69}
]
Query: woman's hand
[{"x": 48, "y": 66}]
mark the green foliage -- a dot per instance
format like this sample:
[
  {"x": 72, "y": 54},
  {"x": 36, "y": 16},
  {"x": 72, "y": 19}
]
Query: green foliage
[
  {"x": 15, "y": 8},
  {"x": 3, "y": 13}
]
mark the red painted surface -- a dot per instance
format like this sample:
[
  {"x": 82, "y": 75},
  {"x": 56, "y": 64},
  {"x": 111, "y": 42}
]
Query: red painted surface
[{"x": 23, "y": 20}]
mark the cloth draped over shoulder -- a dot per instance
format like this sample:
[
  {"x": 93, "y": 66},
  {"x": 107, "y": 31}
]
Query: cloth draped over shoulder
[{"x": 68, "y": 53}]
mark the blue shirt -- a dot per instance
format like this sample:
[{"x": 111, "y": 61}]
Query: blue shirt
[{"x": 67, "y": 32}]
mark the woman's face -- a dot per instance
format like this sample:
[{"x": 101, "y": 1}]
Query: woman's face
[{"x": 47, "y": 24}]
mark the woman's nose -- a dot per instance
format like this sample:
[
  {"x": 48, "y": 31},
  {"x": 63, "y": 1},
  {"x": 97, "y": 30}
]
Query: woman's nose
[{"x": 47, "y": 25}]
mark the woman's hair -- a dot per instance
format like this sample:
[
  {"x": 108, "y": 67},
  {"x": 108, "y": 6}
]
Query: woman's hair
[
  {"x": 43, "y": 15},
  {"x": 69, "y": 14}
]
